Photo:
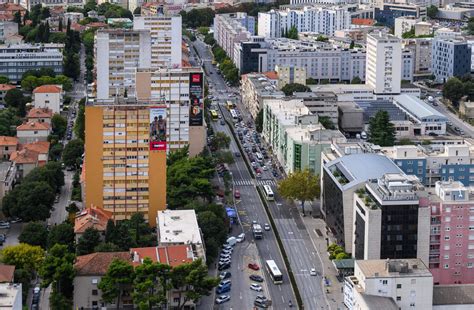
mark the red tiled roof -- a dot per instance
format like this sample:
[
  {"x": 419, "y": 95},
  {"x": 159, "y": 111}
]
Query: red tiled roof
[
  {"x": 272, "y": 75},
  {"x": 363, "y": 21},
  {"x": 11, "y": 7},
  {"x": 25, "y": 156},
  {"x": 92, "y": 218},
  {"x": 33, "y": 126},
  {"x": 40, "y": 113},
  {"x": 47, "y": 89},
  {"x": 4, "y": 140},
  {"x": 6, "y": 273},
  {"x": 6, "y": 87},
  {"x": 173, "y": 255},
  {"x": 41, "y": 147},
  {"x": 97, "y": 263},
  {"x": 96, "y": 25}
]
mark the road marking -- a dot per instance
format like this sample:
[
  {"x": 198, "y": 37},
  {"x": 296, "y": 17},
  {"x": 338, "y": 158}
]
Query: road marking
[{"x": 290, "y": 233}]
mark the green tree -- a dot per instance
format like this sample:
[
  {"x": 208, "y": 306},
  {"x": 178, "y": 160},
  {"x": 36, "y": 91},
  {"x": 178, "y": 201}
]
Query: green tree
[
  {"x": 106, "y": 247},
  {"x": 119, "y": 277},
  {"x": 141, "y": 231},
  {"x": 17, "y": 18},
  {"x": 14, "y": 98},
  {"x": 91, "y": 5},
  {"x": 300, "y": 185},
  {"x": 151, "y": 284},
  {"x": 352, "y": 45},
  {"x": 209, "y": 39},
  {"x": 137, "y": 10},
  {"x": 24, "y": 278},
  {"x": 23, "y": 256},
  {"x": 193, "y": 276},
  {"x": 432, "y": 11},
  {"x": 51, "y": 173},
  {"x": 203, "y": 30},
  {"x": 71, "y": 65},
  {"x": 259, "y": 121},
  {"x": 55, "y": 151},
  {"x": 405, "y": 141},
  {"x": 292, "y": 33},
  {"x": 62, "y": 234},
  {"x": 453, "y": 90},
  {"x": 291, "y": 88},
  {"x": 326, "y": 122},
  {"x": 58, "y": 270},
  {"x": 34, "y": 233},
  {"x": 220, "y": 141},
  {"x": 224, "y": 157},
  {"x": 59, "y": 125},
  {"x": 4, "y": 79},
  {"x": 356, "y": 80},
  {"x": 8, "y": 122},
  {"x": 88, "y": 241},
  {"x": 214, "y": 231},
  {"x": 381, "y": 130},
  {"x": 73, "y": 152}
]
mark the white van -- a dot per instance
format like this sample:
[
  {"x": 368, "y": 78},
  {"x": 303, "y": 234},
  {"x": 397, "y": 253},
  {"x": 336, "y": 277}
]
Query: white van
[{"x": 363, "y": 135}]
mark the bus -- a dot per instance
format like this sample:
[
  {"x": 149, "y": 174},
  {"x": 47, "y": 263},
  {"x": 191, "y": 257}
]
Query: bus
[
  {"x": 230, "y": 105},
  {"x": 274, "y": 272},
  {"x": 214, "y": 115},
  {"x": 234, "y": 115},
  {"x": 268, "y": 193}
]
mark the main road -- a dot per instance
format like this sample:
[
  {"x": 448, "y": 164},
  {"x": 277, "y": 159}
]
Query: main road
[{"x": 302, "y": 253}]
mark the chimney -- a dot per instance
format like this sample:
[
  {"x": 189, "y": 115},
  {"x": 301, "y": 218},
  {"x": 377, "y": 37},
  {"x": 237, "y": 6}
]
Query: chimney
[{"x": 136, "y": 257}]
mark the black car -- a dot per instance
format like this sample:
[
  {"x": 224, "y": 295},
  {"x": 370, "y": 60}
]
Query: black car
[
  {"x": 223, "y": 266},
  {"x": 256, "y": 278}
]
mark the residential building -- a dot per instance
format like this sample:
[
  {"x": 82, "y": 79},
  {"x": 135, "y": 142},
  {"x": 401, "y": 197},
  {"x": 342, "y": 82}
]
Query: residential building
[
  {"x": 254, "y": 89},
  {"x": 89, "y": 271},
  {"x": 421, "y": 51},
  {"x": 294, "y": 134},
  {"x": 233, "y": 28},
  {"x": 341, "y": 176},
  {"x": 450, "y": 57},
  {"x": 389, "y": 221},
  {"x": 11, "y": 296},
  {"x": 466, "y": 109},
  {"x": 322, "y": 60},
  {"x": 180, "y": 227},
  {"x": 383, "y": 68},
  {"x": 91, "y": 218},
  {"x": 4, "y": 88},
  {"x": 312, "y": 2},
  {"x": 426, "y": 119},
  {"x": 118, "y": 53},
  {"x": 389, "y": 284},
  {"x": 451, "y": 248},
  {"x": 404, "y": 24},
  {"x": 408, "y": 65},
  {"x": 49, "y": 97},
  {"x": 323, "y": 20},
  {"x": 19, "y": 58},
  {"x": 29, "y": 4},
  {"x": 24, "y": 160},
  {"x": 41, "y": 148},
  {"x": 33, "y": 131},
  {"x": 459, "y": 296},
  {"x": 290, "y": 75},
  {"x": 8, "y": 145},
  {"x": 387, "y": 12},
  {"x": 8, "y": 10},
  {"x": 166, "y": 39},
  {"x": 40, "y": 115},
  {"x": 182, "y": 92},
  {"x": 323, "y": 104},
  {"x": 350, "y": 117},
  {"x": 7, "y": 178},
  {"x": 7, "y": 29}
]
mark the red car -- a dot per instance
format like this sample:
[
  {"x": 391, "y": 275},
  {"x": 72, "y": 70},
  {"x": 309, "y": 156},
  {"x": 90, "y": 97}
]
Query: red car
[
  {"x": 254, "y": 266},
  {"x": 237, "y": 194}
]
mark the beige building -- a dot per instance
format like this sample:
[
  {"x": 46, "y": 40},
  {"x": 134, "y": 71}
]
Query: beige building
[
  {"x": 290, "y": 75},
  {"x": 255, "y": 88},
  {"x": 49, "y": 97},
  {"x": 404, "y": 24},
  {"x": 421, "y": 51},
  {"x": 40, "y": 115},
  {"x": 8, "y": 145},
  {"x": 7, "y": 177},
  {"x": 466, "y": 108},
  {"x": 32, "y": 131}
]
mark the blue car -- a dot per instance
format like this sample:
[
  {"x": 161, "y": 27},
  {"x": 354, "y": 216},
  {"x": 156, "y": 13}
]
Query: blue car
[{"x": 223, "y": 289}]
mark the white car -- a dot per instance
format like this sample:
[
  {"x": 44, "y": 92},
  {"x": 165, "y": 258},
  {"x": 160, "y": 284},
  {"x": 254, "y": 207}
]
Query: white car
[
  {"x": 312, "y": 272},
  {"x": 266, "y": 226},
  {"x": 256, "y": 287},
  {"x": 222, "y": 299},
  {"x": 241, "y": 237}
]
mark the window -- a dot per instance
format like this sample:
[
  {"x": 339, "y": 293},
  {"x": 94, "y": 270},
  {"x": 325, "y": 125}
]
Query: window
[
  {"x": 446, "y": 256},
  {"x": 469, "y": 265},
  {"x": 95, "y": 281},
  {"x": 446, "y": 266},
  {"x": 446, "y": 237},
  {"x": 448, "y": 209},
  {"x": 447, "y": 219},
  {"x": 399, "y": 298},
  {"x": 384, "y": 282},
  {"x": 447, "y": 228},
  {"x": 176, "y": 300},
  {"x": 94, "y": 303},
  {"x": 95, "y": 292},
  {"x": 399, "y": 286}
]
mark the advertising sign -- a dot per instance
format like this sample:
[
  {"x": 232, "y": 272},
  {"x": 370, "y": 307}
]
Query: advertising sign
[
  {"x": 196, "y": 94},
  {"x": 158, "y": 129}
]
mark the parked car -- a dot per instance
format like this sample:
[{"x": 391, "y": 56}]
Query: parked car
[
  {"x": 253, "y": 266},
  {"x": 256, "y": 287},
  {"x": 241, "y": 237},
  {"x": 4, "y": 225},
  {"x": 223, "y": 266},
  {"x": 222, "y": 299},
  {"x": 225, "y": 256},
  {"x": 237, "y": 194},
  {"x": 225, "y": 275},
  {"x": 221, "y": 290},
  {"x": 224, "y": 261},
  {"x": 256, "y": 278}
]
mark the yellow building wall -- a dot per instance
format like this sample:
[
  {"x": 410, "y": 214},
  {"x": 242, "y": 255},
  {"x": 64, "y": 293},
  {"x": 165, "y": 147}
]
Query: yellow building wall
[
  {"x": 93, "y": 157},
  {"x": 156, "y": 184}
]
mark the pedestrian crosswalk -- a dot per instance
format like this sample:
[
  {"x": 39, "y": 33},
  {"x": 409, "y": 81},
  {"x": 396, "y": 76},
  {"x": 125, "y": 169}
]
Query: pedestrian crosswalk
[{"x": 250, "y": 182}]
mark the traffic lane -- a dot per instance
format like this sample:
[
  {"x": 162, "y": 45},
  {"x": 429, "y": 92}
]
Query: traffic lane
[{"x": 453, "y": 119}]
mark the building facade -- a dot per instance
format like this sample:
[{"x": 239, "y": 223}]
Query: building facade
[
  {"x": 450, "y": 57},
  {"x": 233, "y": 28},
  {"x": 421, "y": 51},
  {"x": 16, "y": 59},
  {"x": 48, "y": 97},
  {"x": 255, "y": 88},
  {"x": 290, "y": 75}
]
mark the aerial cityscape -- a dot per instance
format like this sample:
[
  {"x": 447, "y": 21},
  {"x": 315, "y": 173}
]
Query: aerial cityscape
[{"x": 236, "y": 155}]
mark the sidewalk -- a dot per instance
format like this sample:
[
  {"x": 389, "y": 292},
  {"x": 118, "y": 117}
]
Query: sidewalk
[{"x": 335, "y": 296}]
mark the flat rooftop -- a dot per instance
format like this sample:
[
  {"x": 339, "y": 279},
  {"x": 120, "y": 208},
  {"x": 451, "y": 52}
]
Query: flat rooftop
[
  {"x": 287, "y": 109},
  {"x": 178, "y": 227},
  {"x": 314, "y": 133},
  {"x": 394, "y": 268},
  {"x": 418, "y": 108},
  {"x": 8, "y": 294}
]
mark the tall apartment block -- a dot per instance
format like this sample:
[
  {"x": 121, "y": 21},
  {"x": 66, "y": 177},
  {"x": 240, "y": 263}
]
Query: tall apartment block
[
  {"x": 165, "y": 32},
  {"x": 118, "y": 52},
  {"x": 384, "y": 63},
  {"x": 451, "y": 258},
  {"x": 450, "y": 57}
]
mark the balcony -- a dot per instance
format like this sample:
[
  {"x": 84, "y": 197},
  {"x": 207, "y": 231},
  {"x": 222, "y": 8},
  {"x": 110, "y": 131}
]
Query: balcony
[{"x": 435, "y": 241}]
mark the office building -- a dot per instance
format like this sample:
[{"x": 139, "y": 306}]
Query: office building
[
  {"x": 386, "y": 13},
  {"x": 118, "y": 53},
  {"x": 233, "y": 28},
  {"x": 452, "y": 222},
  {"x": 256, "y": 87},
  {"x": 389, "y": 221},
  {"x": 294, "y": 134},
  {"x": 407, "y": 66},
  {"x": 340, "y": 178},
  {"x": 383, "y": 67},
  {"x": 450, "y": 57},
  {"x": 389, "y": 284},
  {"x": 404, "y": 24},
  {"x": 323, "y": 104},
  {"x": 165, "y": 33},
  {"x": 180, "y": 227},
  {"x": 323, "y": 20},
  {"x": 421, "y": 51},
  {"x": 18, "y": 58}
]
